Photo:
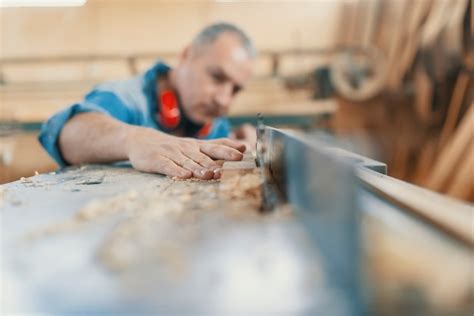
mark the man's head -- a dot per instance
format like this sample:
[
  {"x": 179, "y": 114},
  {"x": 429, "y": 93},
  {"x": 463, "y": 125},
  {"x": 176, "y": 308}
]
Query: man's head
[{"x": 212, "y": 70}]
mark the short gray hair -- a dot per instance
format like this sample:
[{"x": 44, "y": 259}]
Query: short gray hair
[{"x": 209, "y": 34}]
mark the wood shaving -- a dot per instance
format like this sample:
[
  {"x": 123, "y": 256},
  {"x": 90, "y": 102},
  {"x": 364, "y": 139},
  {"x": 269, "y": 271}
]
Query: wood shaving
[
  {"x": 25, "y": 180},
  {"x": 247, "y": 186},
  {"x": 29, "y": 182},
  {"x": 194, "y": 179}
]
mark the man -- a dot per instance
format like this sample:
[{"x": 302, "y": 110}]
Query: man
[{"x": 168, "y": 121}]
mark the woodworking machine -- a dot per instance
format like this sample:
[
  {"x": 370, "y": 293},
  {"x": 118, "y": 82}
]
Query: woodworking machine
[
  {"x": 335, "y": 236},
  {"x": 345, "y": 201}
]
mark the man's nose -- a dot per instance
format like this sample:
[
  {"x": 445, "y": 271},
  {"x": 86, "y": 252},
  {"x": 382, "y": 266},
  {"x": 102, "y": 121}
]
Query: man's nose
[{"x": 223, "y": 96}]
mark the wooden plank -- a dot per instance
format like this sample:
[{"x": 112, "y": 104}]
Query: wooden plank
[
  {"x": 424, "y": 94},
  {"x": 411, "y": 41},
  {"x": 425, "y": 161},
  {"x": 241, "y": 180},
  {"x": 462, "y": 185},
  {"x": 231, "y": 169},
  {"x": 396, "y": 26},
  {"x": 452, "y": 216},
  {"x": 452, "y": 153},
  {"x": 289, "y": 106},
  {"x": 454, "y": 108}
]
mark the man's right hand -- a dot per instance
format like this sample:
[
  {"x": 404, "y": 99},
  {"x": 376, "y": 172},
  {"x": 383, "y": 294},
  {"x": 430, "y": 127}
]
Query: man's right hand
[
  {"x": 98, "y": 138},
  {"x": 152, "y": 151}
]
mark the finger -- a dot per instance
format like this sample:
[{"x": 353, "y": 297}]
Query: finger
[
  {"x": 202, "y": 159},
  {"x": 230, "y": 143},
  {"x": 168, "y": 167},
  {"x": 217, "y": 173},
  {"x": 221, "y": 152},
  {"x": 189, "y": 164}
]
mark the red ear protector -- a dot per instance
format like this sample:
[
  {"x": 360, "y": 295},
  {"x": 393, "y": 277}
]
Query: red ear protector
[{"x": 170, "y": 114}]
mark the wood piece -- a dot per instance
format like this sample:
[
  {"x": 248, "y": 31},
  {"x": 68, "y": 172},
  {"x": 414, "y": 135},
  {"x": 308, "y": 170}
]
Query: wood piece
[
  {"x": 282, "y": 107},
  {"x": 452, "y": 153},
  {"x": 233, "y": 165},
  {"x": 451, "y": 216},
  {"x": 241, "y": 180},
  {"x": 441, "y": 40},
  {"x": 454, "y": 108},
  {"x": 462, "y": 186},
  {"x": 425, "y": 161},
  {"x": 453, "y": 32},
  {"x": 424, "y": 94},
  {"x": 396, "y": 44},
  {"x": 231, "y": 169},
  {"x": 372, "y": 20},
  {"x": 411, "y": 42}
]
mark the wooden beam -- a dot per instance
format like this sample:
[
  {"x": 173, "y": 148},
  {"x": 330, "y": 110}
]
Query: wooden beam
[
  {"x": 462, "y": 186},
  {"x": 451, "y": 216},
  {"x": 449, "y": 158},
  {"x": 454, "y": 108}
]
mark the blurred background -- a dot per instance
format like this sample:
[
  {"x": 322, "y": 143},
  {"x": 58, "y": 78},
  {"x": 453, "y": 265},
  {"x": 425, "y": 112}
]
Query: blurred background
[{"x": 395, "y": 74}]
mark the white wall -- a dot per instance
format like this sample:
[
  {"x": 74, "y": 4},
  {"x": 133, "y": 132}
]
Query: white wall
[{"x": 130, "y": 26}]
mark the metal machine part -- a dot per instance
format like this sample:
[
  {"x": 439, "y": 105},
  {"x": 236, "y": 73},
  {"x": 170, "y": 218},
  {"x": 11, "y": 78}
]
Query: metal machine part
[
  {"x": 335, "y": 193},
  {"x": 276, "y": 154}
]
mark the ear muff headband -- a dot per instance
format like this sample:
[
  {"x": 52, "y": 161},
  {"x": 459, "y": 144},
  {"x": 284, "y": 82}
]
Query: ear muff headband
[{"x": 170, "y": 114}]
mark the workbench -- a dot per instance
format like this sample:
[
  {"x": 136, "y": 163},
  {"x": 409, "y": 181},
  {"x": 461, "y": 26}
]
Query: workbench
[{"x": 109, "y": 239}]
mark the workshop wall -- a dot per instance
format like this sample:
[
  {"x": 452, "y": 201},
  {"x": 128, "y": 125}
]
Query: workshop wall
[
  {"x": 145, "y": 26},
  {"x": 33, "y": 90}
]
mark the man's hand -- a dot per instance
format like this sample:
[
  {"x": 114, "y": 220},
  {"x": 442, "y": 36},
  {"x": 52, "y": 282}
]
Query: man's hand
[
  {"x": 152, "y": 151},
  {"x": 98, "y": 138}
]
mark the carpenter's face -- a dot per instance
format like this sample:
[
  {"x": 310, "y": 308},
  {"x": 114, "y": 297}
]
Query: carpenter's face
[{"x": 208, "y": 78}]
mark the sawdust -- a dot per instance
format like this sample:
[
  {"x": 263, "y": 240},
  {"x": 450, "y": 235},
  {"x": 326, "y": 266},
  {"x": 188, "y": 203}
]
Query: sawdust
[
  {"x": 194, "y": 180},
  {"x": 124, "y": 202},
  {"x": 34, "y": 183},
  {"x": 160, "y": 225},
  {"x": 174, "y": 221},
  {"x": 169, "y": 221},
  {"x": 25, "y": 180},
  {"x": 246, "y": 186}
]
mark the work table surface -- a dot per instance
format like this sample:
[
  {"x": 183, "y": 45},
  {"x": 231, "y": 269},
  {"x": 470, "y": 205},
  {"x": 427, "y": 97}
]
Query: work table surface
[{"x": 103, "y": 238}]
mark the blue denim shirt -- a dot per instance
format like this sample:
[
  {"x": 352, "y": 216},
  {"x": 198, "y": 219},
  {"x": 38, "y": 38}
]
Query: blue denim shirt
[{"x": 131, "y": 101}]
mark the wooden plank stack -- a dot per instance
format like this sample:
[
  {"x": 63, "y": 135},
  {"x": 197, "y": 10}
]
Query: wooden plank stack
[{"x": 422, "y": 121}]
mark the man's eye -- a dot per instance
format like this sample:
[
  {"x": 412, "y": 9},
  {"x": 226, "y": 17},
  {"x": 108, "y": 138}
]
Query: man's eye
[
  {"x": 218, "y": 77},
  {"x": 236, "y": 90}
]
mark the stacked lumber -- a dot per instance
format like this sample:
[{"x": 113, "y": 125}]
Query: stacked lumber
[{"x": 422, "y": 118}]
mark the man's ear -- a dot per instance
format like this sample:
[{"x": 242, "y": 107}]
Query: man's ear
[{"x": 185, "y": 54}]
